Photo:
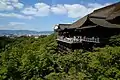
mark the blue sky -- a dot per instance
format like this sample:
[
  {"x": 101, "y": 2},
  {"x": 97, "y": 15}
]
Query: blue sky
[{"x": 42, "y": 15}]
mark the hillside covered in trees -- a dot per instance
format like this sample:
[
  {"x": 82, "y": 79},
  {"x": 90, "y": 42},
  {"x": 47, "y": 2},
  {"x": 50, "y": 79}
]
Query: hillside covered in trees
[{"x": 38, "y": 59}]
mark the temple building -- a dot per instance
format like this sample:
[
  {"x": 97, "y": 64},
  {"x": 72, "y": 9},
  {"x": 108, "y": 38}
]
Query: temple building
[{"x": 90, "y": 31}]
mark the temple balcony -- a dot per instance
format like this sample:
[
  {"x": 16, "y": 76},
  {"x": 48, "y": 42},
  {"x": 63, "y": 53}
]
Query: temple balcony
[{"x": 78, "y": 39}]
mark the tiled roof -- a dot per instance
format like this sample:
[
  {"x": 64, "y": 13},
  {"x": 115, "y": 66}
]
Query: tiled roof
[{"x": 98, "y": 17}]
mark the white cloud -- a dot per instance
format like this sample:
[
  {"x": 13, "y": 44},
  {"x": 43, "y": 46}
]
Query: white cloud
[
  {"x": 18, "y": 5},
  {"x": 16, "y": 26},
  {"x": 14, "y": 15},
  {"x": 76, "y": 10},
  {"x": 6, "y": 5},
  {"x": 42, "y": 9},
  {"x": 39, "y": 9},
  {"x": 15, "y": 23},
  {"x": 29, "y": 11},
  {"x": 41, "y": 6},
  {"x": 13, "y": 26},
  {"x": 59, "y": 9},
  {"x": 9, "y": 8},
  {"x": 15, "y": 1}
]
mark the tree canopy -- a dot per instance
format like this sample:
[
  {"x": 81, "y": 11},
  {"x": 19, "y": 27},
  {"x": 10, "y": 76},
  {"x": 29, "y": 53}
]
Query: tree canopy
[{"x": 38, "y": 59}]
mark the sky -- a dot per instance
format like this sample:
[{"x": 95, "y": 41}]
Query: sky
[{"x": 42, "y": 15}]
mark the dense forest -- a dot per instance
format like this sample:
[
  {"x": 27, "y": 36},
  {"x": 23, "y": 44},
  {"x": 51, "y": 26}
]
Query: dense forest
[{"x": 38, "y": 59}]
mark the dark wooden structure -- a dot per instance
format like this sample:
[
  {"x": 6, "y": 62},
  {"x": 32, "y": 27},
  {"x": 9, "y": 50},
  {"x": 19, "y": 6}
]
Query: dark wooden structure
[{"x": 90, "y": 31}]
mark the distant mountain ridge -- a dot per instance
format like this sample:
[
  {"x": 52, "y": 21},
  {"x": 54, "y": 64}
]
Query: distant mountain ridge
[{"x": 23, "y": 32}]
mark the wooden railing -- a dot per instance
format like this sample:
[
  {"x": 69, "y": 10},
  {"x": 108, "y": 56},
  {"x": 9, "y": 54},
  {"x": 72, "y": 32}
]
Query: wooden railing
[{"x": 78, "y": 39}]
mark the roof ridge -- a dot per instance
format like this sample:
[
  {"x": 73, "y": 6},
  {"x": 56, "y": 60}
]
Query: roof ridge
[{"x": 114, "y": 4}]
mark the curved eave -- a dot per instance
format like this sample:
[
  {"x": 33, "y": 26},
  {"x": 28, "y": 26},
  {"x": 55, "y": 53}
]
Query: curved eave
[
  {"x": 104, "y": 23},
  {"x": 87, "y": 27},
  {"x": 79, "y": 22},
  {"x": 113, "y": 15}
]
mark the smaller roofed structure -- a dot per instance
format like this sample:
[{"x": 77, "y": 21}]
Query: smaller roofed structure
[{"x": 61, "y": 27}]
